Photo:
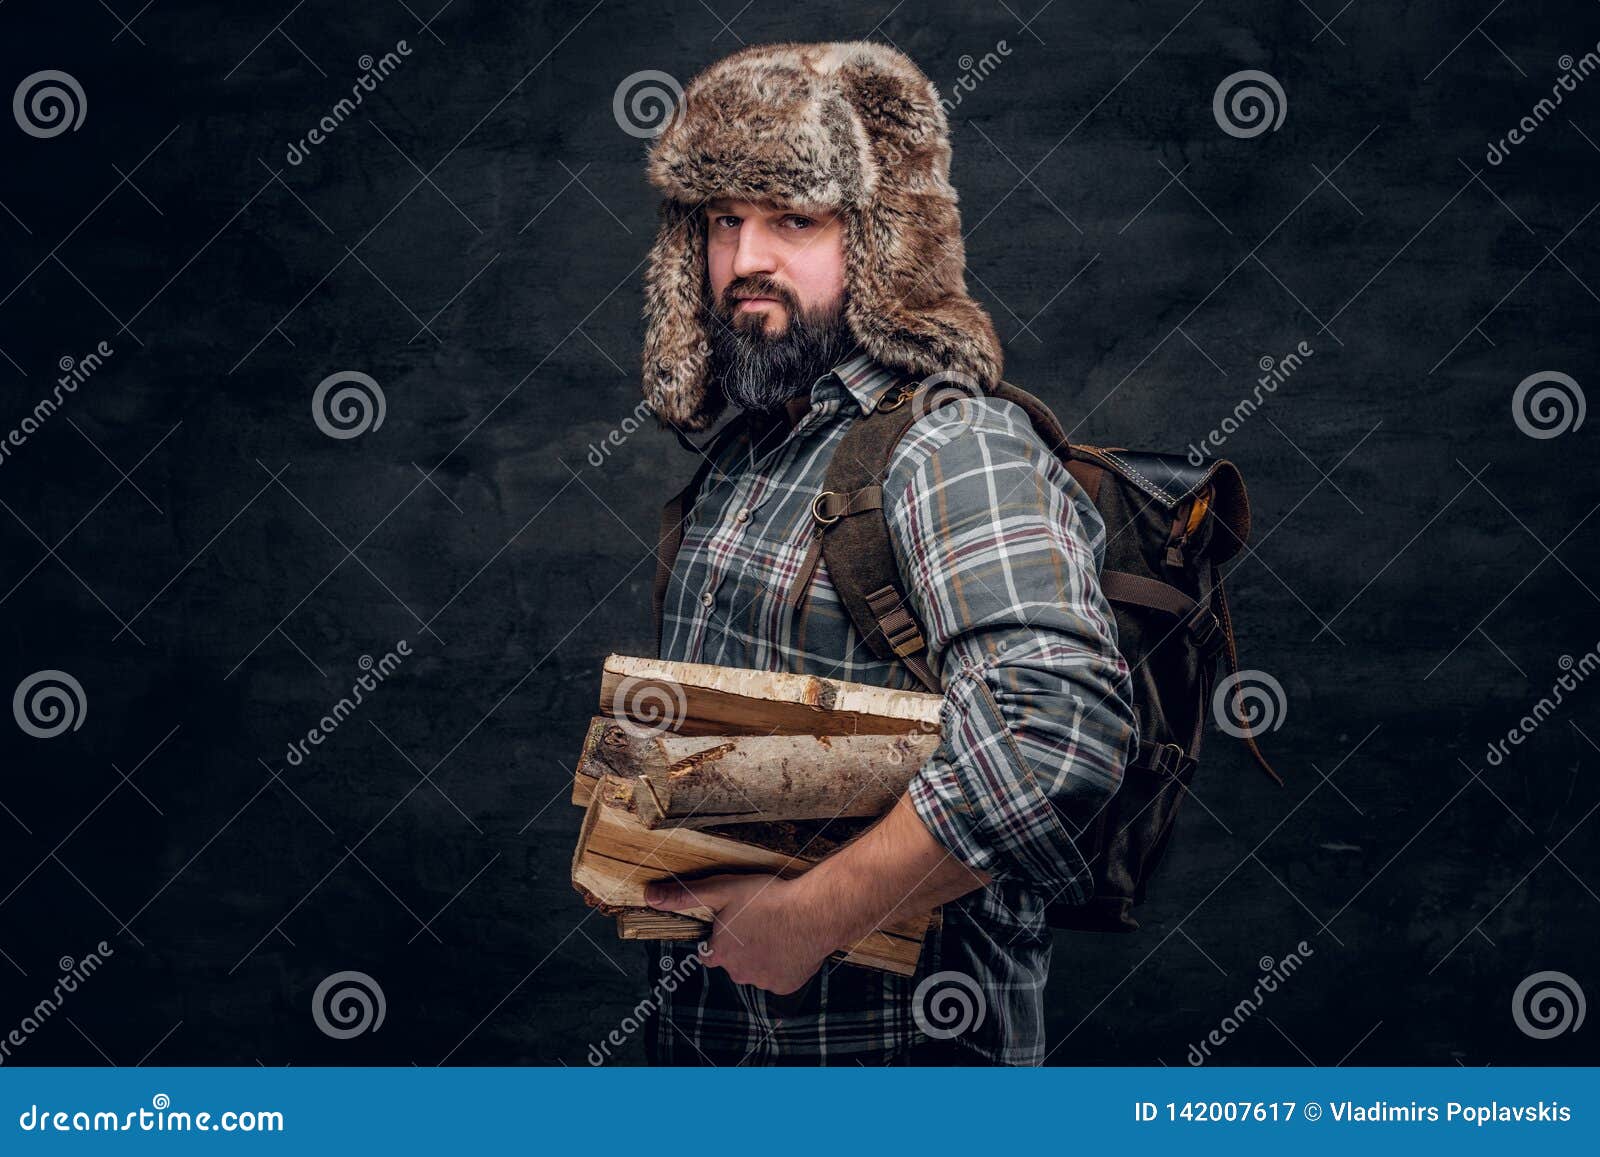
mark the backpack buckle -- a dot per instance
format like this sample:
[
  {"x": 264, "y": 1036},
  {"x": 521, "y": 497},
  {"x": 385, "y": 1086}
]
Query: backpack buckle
[
  {"x": 900, "y": 629},
  {"x": 1205, "y": 629},
  {"x": 1167, "y": 759}
]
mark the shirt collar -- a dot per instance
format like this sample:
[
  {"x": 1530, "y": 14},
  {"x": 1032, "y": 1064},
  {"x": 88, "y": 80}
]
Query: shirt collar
[{"x": 860, "y": 377}]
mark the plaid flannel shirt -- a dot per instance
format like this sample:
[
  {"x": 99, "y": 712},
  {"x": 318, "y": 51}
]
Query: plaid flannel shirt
[{"x": 1000, "y": 550}]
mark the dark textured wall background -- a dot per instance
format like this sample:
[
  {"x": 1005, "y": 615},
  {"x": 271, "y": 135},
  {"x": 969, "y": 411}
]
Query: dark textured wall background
[{"x": 210, "y": 567}]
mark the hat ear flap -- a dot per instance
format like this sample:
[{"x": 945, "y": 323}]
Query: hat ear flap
[
  {"x": 908, "y": 304},
  {"x": 676, "y": 346}
]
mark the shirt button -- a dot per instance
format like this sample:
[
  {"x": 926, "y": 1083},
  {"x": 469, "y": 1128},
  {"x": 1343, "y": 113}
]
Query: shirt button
[
  {"x": 743, "y": 515},
  {"x": 706, "y": 599}
]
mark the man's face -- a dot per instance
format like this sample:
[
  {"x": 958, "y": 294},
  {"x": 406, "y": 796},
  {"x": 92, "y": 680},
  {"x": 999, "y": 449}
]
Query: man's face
[
  {"x": 777, "y": 278},
  {"x": 755, "y": 250}
]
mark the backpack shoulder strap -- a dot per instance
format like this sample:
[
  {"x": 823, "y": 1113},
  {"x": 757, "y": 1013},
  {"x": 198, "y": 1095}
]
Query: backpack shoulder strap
[
  {"x": 669, "y": 535},
  {"x": 1044, "y": 420},
  {"x": 858, "y": 550}
]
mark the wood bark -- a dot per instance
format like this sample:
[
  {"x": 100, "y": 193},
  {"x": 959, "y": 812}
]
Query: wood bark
[
  {"x": 710, "y": 781},
  {"x": 744, "y": 779}
]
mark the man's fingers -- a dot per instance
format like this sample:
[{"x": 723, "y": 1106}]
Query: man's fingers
[{"x": 671, "y": 896}]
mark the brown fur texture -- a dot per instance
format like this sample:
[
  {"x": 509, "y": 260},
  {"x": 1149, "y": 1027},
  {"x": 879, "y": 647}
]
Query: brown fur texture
[{"x": 854, "y": 126}]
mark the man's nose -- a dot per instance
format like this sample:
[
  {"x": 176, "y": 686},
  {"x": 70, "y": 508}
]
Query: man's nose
[{"x": 756, "y": 252}]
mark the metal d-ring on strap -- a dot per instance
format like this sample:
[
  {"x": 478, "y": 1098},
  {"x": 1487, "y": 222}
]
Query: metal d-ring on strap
[
  {"x": 817, "y": 513},
  {"x": 855, "y": 502},
  {"x": 898, "y": 400}
]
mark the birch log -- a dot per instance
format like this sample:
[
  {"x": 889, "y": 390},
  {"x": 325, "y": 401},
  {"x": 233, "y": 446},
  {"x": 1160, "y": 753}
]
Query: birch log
[{"x": 745, "y": 779}]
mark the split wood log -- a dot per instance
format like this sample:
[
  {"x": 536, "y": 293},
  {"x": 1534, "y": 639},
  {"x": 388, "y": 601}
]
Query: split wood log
[
  {"x": 617, "y": 856},
  {"x": 648, "y": 924},
  {"x": 701, "y": 699}
]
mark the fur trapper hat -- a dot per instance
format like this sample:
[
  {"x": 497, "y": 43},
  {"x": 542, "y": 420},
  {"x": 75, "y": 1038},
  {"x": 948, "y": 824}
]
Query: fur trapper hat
[{"x": 853, "y": 126}]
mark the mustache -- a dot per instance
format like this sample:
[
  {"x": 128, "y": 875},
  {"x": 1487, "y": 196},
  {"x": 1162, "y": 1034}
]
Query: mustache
[{"x": 755, "y": 287}]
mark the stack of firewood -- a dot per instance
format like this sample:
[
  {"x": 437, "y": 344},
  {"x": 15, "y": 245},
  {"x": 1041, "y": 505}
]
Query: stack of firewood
[{"x": 692, "y": 769}]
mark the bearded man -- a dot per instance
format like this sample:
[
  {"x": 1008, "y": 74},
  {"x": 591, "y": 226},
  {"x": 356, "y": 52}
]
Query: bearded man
[{"x": 809, "y": 269}]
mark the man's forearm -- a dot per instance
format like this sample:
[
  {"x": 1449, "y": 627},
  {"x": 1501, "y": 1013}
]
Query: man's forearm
[{"x": 897, "y": 868}]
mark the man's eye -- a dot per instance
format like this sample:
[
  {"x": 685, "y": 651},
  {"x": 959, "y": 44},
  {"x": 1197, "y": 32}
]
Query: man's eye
[
  {"x": 804, "y": 222},
  {"x": 722, "y": 217}
]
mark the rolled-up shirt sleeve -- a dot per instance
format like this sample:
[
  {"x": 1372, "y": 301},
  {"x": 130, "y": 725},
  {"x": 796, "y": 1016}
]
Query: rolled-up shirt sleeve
[{"x": 1000, "y": 550}]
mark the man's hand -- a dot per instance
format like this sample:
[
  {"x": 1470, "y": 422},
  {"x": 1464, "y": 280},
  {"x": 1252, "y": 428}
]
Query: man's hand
[
  {"x": 776, "y": 933},
  {"x": 764, "y": 932}
]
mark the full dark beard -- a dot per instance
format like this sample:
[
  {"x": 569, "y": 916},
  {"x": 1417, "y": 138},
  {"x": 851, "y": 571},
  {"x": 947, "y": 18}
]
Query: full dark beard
[{"x": 762, "y": 372}]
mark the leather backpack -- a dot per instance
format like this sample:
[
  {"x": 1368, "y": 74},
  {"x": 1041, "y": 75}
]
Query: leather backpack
[{"x": 1169, "y": 526}]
